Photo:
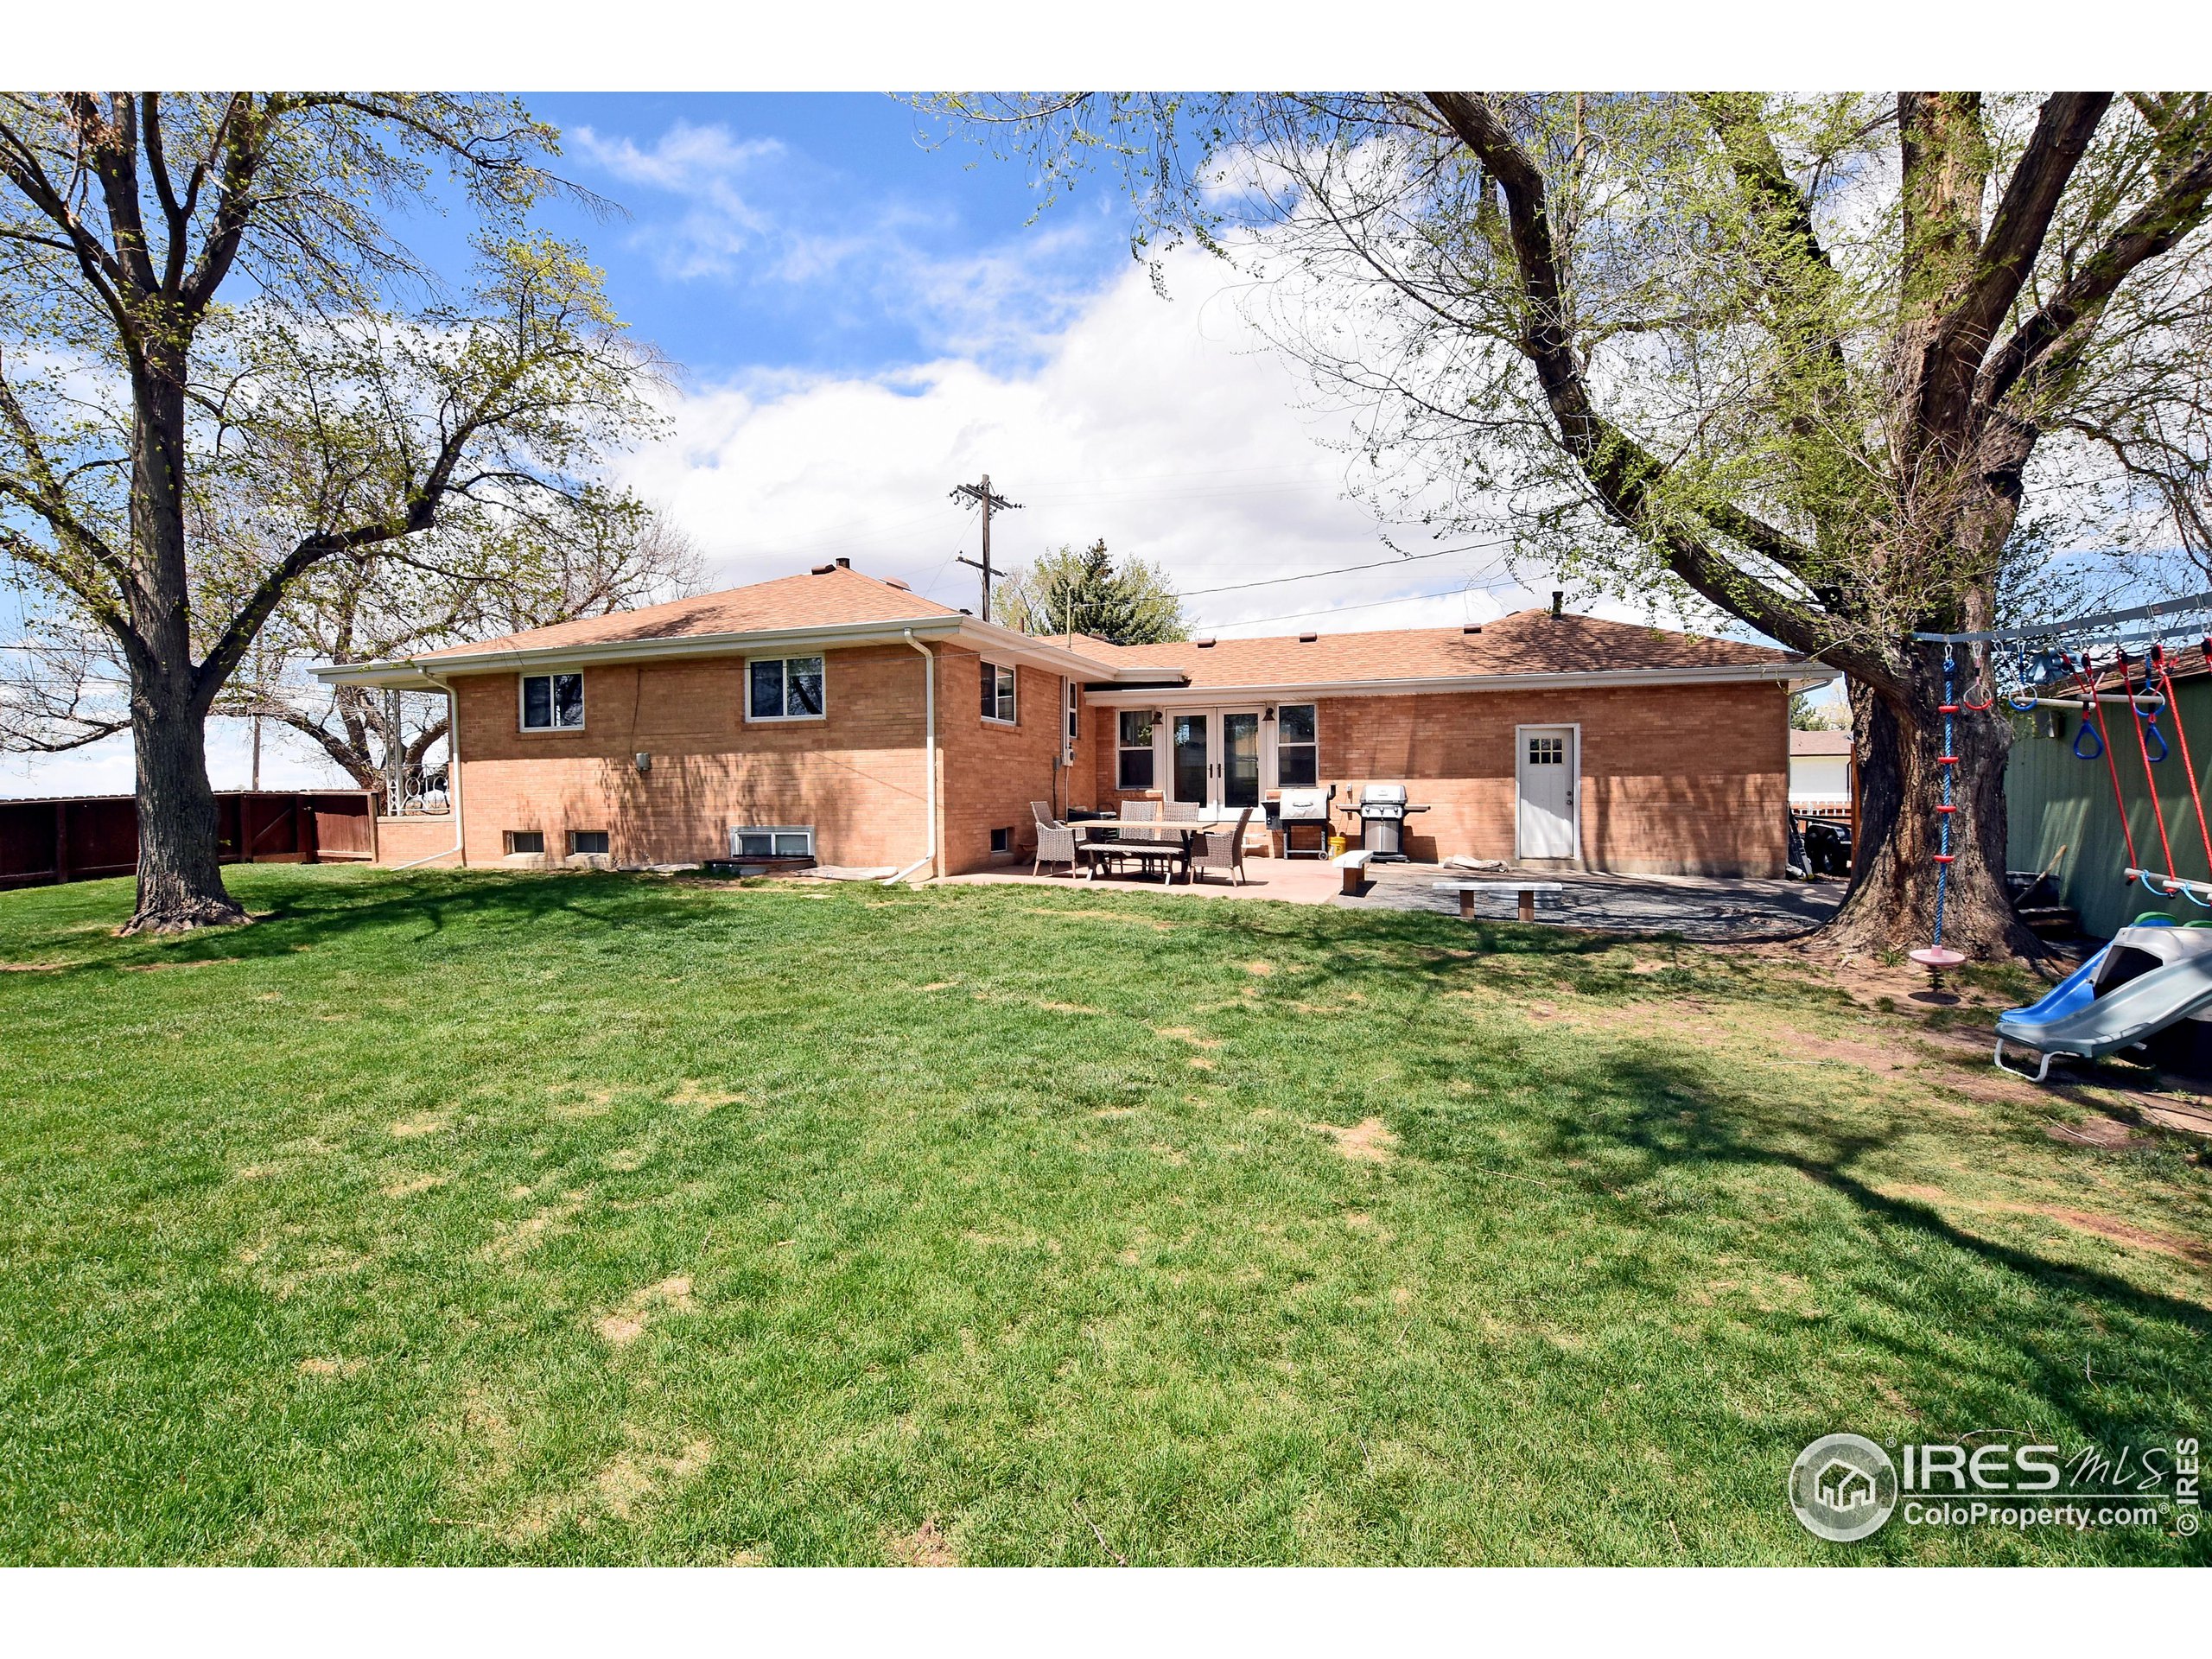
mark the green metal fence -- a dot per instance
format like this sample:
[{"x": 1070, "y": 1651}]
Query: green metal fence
[{"x": 2053, "y": 800}]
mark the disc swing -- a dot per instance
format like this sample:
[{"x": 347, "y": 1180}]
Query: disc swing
[{"x": 1937, "y": 956}]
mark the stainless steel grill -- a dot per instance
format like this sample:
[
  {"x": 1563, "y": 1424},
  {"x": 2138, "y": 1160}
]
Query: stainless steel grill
[
  {"x": 1298, "y": 808},
  {"x": 1381, "y": 809}
]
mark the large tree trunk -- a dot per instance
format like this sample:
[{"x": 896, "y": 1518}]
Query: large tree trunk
[
  {"x": 180, "y": 872},
  {"x": 1892, "y": 901}
]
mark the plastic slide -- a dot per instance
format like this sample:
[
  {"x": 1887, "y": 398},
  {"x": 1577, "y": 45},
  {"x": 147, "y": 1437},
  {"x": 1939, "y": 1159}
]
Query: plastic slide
[
  {"x": 2123, "y": 1017},
  {"x": 2079, "y": 988}
]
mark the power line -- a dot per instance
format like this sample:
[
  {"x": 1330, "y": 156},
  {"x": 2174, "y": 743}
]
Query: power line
[
  {"x": 1402, "y": 599},
  {"x": 1344, "y": 569}
]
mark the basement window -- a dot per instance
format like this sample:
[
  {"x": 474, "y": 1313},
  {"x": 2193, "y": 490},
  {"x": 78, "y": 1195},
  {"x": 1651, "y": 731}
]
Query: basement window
[
  {"x": 998, "y": 694},
  {"x": 552, "y": 702},
  {"x": 587, "y": 841},
  {"x": 525, "y": 841},
  {"x": 1002, "y": 841},
  {"x": 773, "y": 841}
]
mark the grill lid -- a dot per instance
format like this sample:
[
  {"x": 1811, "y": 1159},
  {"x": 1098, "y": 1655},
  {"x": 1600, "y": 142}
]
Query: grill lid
[
  {"x": 1303, "y": 805},
  {"x": 1382, "y": 795}
]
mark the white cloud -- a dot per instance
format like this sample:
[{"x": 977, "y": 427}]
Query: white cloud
[{"x": 1164, "y": 426}]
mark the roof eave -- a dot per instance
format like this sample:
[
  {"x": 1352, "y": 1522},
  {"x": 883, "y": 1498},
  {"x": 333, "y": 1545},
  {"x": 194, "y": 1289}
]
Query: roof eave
[
  {"x": 1792, "y": 673},
  {"x": 416, "y": 672}
]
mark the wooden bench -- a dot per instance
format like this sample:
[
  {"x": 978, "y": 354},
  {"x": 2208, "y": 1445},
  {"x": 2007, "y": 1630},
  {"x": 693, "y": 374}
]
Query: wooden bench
[
  {"x": 1526, "y": 891},
  {"x": 1354, "y": 866}
]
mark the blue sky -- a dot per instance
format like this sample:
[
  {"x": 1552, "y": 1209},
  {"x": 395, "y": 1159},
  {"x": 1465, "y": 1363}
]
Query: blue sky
[{"x": 821, "y": 233}]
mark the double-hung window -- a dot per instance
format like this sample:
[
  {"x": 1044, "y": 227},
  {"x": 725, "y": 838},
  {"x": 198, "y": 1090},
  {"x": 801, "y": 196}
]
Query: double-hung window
[
  {"x": 1132, "y": 755},
  {"x": 1298, "y": 755},
  {"x": 1073, "y": 725},
  {"x": 552, "y": 702},
  {"x": 783, "y": 688},
  {"x": 998, "y": 693}
]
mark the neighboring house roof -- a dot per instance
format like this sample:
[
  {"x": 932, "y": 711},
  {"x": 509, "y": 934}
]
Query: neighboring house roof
[
  {"x": 834, "y": 605},
  {"x": 825, "y": 598},
  {"x": 1818, "y": 743}
]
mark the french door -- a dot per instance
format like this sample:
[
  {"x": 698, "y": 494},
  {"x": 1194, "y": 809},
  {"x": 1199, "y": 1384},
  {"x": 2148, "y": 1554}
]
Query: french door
[{"x": 1215, "y": 757}]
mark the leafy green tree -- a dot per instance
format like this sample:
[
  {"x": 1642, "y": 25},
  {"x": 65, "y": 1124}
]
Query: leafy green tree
[
  {"x": 219, "y": 369},
  {"x": 1842, "y": 367},
  {"x": 1131, "y": 603}
]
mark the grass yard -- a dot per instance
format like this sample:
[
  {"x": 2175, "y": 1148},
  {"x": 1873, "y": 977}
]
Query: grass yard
[{"x": 483, "y": 1218}]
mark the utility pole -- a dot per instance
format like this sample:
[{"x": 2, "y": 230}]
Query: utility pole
[{"x": 981, "y": 494}]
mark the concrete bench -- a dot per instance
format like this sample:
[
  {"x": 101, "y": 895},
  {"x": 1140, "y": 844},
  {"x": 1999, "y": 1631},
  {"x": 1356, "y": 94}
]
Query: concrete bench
[
  {"x": 1526, "y": 891},
  {"x": 1354, "y": 866}
]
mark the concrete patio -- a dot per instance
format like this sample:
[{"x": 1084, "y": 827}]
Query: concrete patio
[{"x": 1710, "y": 909}]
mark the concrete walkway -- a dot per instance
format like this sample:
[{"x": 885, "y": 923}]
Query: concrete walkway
[{"x": 1710, "y": 909}]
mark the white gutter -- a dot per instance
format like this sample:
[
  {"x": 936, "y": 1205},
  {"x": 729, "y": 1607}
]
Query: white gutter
[
  {"x": 929, "y": 756},
  {"x": 453, "y": 765}
]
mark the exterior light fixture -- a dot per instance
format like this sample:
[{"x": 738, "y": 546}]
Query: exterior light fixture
[{"x": 645, "y": 763}]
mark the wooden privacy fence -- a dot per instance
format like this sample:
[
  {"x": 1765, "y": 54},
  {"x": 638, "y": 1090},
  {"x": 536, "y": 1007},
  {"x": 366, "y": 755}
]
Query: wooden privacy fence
[{"x": 86, "y": 838}]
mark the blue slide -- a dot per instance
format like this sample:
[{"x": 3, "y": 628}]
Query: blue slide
[{"x": 2075, "y": 1020}]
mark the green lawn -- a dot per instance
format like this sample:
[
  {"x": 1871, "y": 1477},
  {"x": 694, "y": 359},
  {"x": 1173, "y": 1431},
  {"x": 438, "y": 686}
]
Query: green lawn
[{"x": 477, "y": 1218}]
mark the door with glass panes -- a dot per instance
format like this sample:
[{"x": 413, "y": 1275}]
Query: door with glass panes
[{"x": 1215, "y": 757}]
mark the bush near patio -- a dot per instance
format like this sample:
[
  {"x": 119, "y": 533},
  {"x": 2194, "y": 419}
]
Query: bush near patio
[{"x": 479, "y": 1218}]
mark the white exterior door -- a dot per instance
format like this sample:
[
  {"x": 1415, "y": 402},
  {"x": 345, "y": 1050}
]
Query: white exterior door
[{"x": 1544, "y": 771}]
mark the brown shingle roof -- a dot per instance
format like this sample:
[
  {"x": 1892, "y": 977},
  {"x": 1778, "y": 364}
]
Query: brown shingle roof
[
  {"x": 1527, "y": 642},
  {"x": 1820, "y": 742},
  {"x": 821, "y": 600}
]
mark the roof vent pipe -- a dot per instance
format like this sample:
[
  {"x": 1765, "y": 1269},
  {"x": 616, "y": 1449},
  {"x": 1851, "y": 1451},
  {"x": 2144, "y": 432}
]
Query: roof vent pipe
[{"x": 1557, "y": 596}]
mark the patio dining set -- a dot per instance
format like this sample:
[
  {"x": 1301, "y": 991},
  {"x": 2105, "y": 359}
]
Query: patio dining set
[{"x": 1166, "y": 837}]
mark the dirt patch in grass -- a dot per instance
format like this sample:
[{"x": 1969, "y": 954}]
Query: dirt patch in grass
[
  {"x": 161, "y": 967},
  {"x": 1184, "y": 1034},
  {"x": 409, "y": 1128},
  {"x": 696, "y": 1094},
  {"x": 626, "y": 1485},
  {"x": 627, "y": 1323},
  {"x": 529, "y": 1233},
  {"x": 2109, "y": 1133},
  {"x": 926, "y": 1546},
  {"x": 1260, "y": 969},
  {"x": 1875, "y": 1056},
  {"x": 596, "y": 1102},
  {"x": 408, "y": 1189},
  {"x": 32, "y": 967},
  {"x": 937, "y": 985},
  {"x": 1367, "y": 1141},
  {"x": 1115, "y": 1111},
  {"x": 321, "y": 1366},
  {"x": 2124, "y": 1232}
]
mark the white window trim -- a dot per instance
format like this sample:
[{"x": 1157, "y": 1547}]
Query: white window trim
[
  {"x": 1158, "y": 746},
  {"x": 522, "y": 701},
  {"x": 1573, "y": 776},
  {"x": 1276, "y": 745},
  {"x": 1072, "y": 719},
  {"x": 752, "y": 719},
  {"x": 771, "y": 830},
  {"x": 1000, "y": 721}
]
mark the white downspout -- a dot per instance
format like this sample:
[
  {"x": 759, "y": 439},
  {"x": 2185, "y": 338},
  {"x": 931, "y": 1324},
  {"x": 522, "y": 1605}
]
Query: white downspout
[
  {"x": 929, "y": 755},
  {"x": 453, "y": 765}
]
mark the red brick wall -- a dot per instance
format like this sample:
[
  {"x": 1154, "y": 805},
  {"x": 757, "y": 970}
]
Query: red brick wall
[
  {"x": 991, "y": 772},
  {"x": 403, "y": 841},
  {"x": 856, "y": 775},
  {"x": 1674, "y": 780}
]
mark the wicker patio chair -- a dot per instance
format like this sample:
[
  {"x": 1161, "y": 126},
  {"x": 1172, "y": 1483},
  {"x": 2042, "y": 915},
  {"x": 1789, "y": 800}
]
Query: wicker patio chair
[
  {"x": 1140, "y": 811},
  {"x": 1180, "y": 812},
  {"x": 1055, "y": 840},
  {"x": 1222, "y": 849}
]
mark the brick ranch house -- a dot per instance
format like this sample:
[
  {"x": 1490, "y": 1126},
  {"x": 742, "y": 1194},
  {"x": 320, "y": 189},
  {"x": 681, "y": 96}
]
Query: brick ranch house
[{"x": 839, "y": 716}]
